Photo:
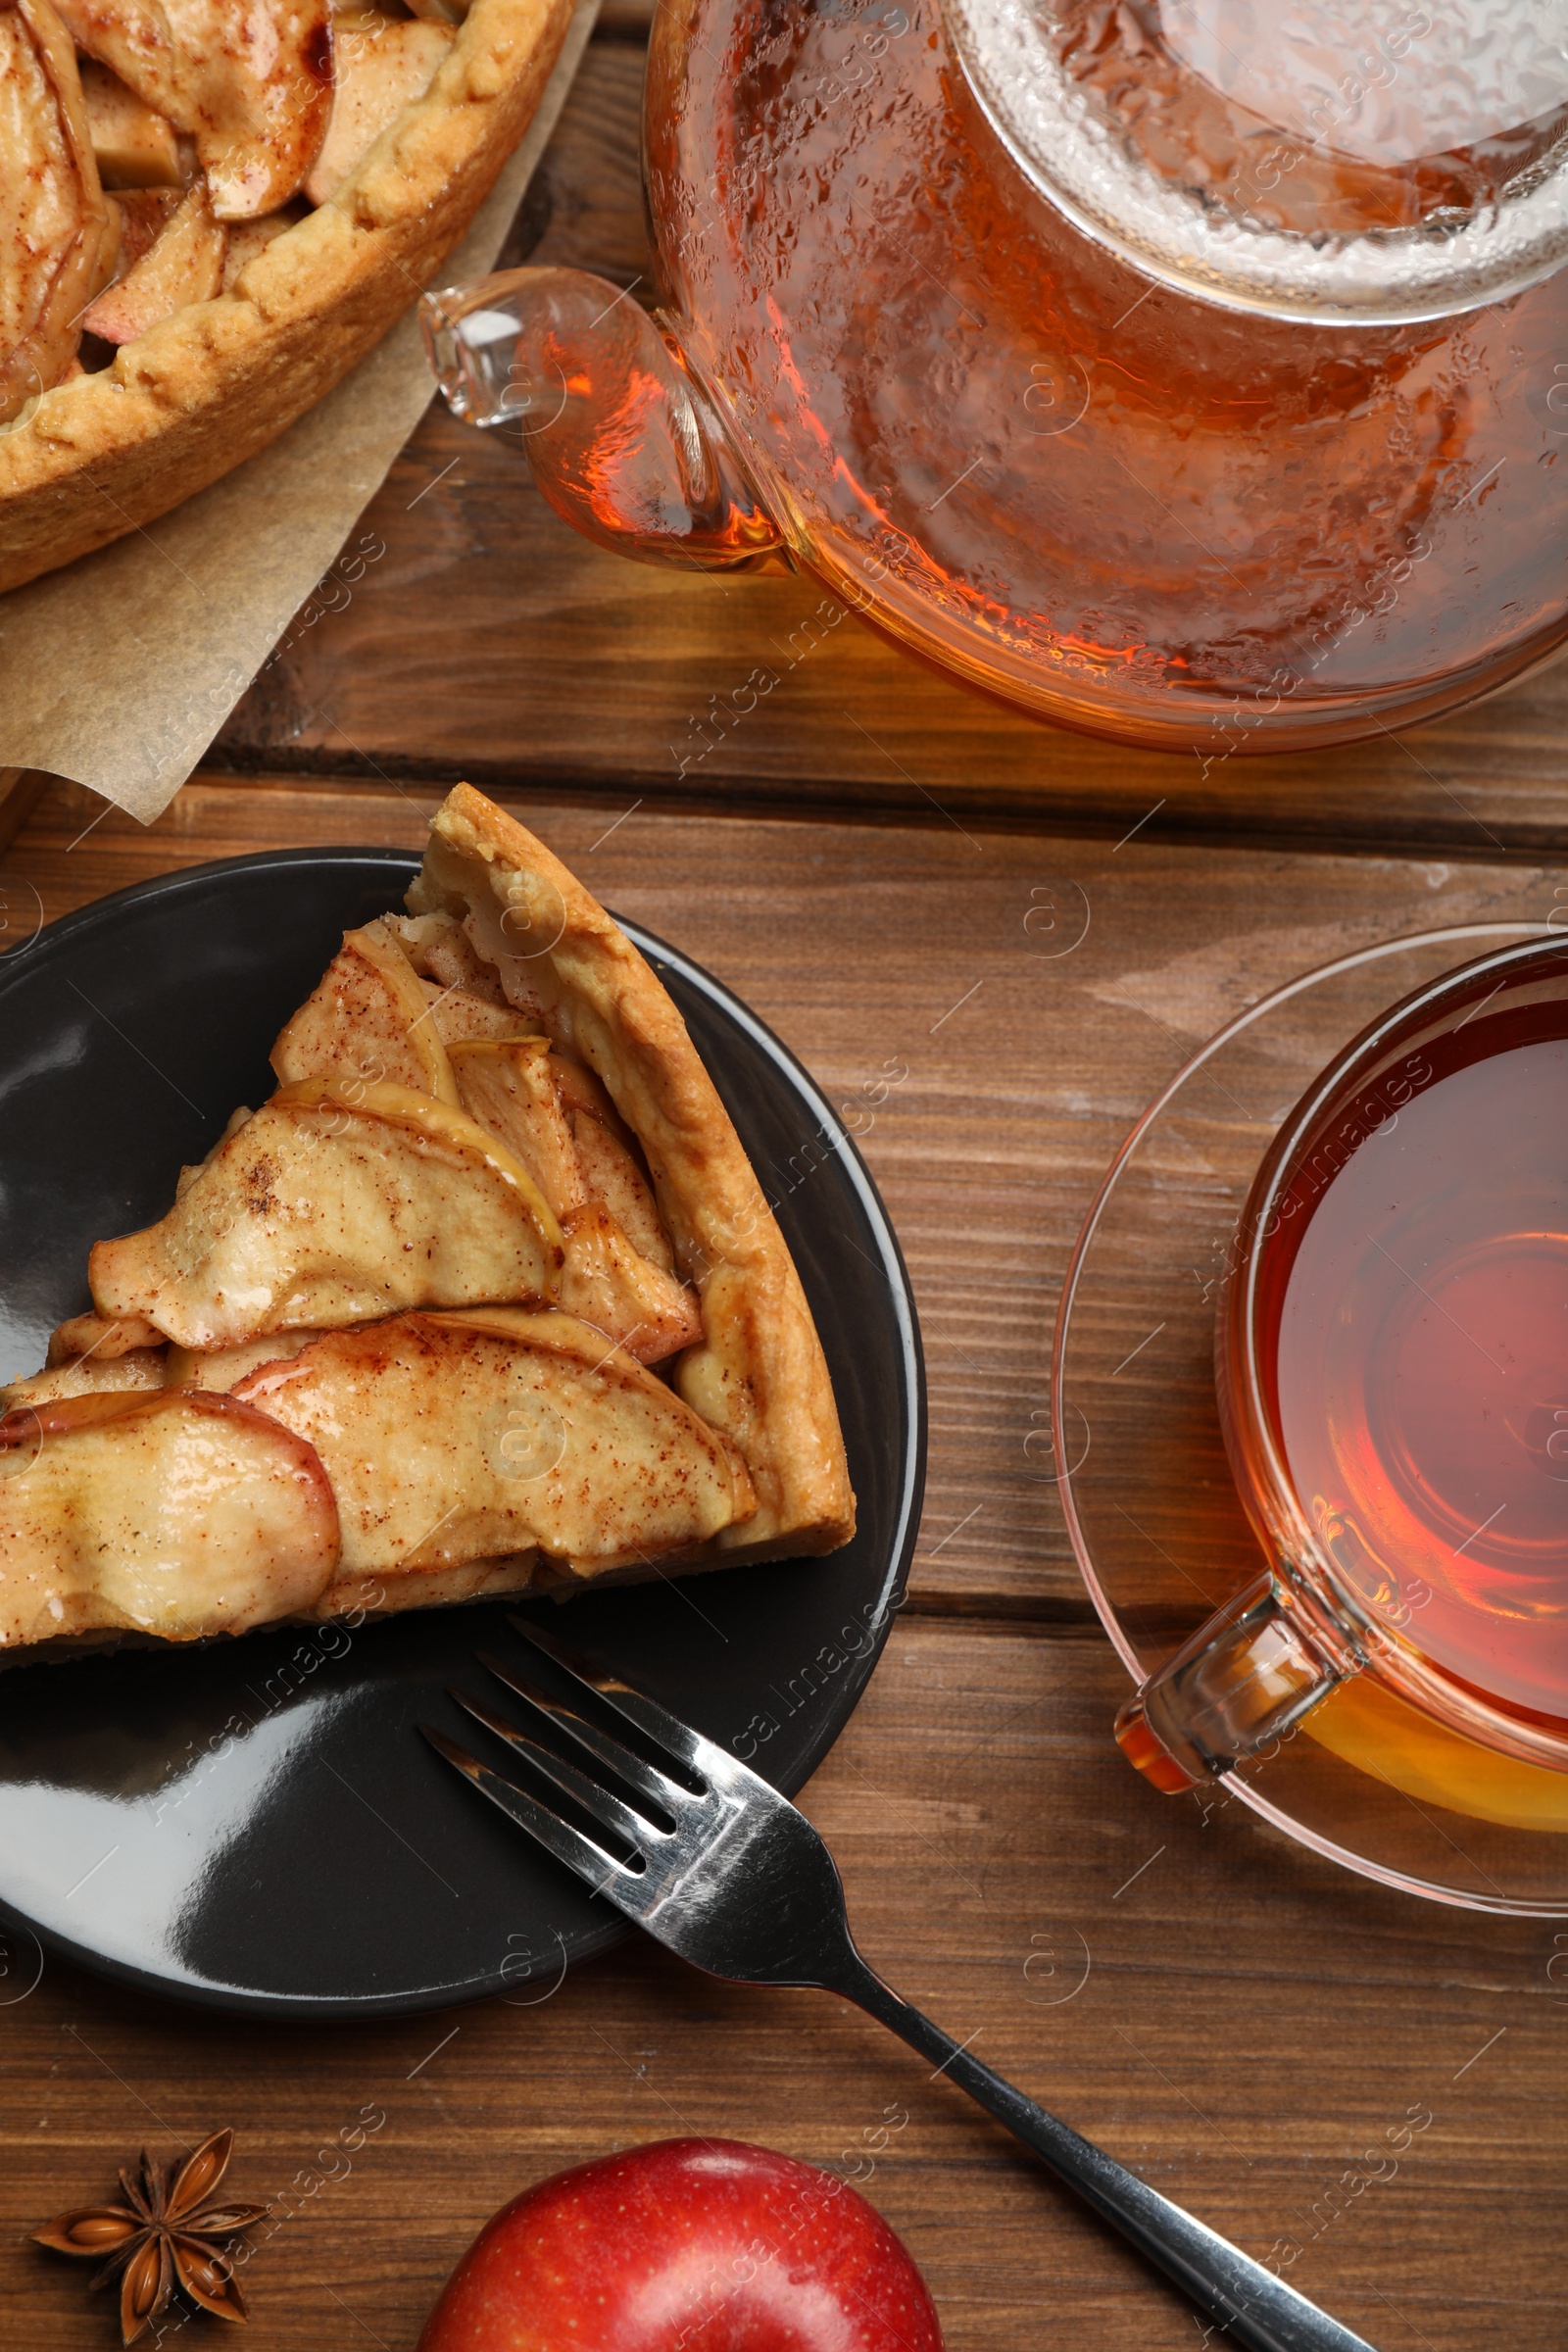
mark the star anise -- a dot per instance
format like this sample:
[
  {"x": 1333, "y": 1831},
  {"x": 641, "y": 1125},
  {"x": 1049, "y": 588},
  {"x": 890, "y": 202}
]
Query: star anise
[{"x": 167, "y": 2233}]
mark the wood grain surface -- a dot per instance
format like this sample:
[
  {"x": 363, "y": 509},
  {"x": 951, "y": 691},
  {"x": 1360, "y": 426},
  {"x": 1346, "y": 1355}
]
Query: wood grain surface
[
  {"x": 992, "y": 942},
  {"x": 1218, "y": 2007},
  {"x": 21, "y": 790}
]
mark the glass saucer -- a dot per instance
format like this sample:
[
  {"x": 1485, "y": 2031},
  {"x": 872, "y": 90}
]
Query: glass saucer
[{"x": 1155, "y": 1519}]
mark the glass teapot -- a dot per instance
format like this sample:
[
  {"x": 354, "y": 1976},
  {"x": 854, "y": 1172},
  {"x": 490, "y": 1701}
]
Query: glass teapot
[{"x": 1192, "y": 371}]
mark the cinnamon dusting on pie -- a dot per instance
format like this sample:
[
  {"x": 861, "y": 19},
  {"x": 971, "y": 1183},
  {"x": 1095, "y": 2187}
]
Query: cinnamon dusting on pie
[
  {"x": 450, "y": 1314},
  {"x": 283, "y": 181}
]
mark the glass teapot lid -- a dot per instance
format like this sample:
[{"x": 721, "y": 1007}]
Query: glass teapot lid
[{"x": 1339, "y": 161}]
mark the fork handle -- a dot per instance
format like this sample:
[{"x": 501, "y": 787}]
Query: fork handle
[{"x": 1257, "y": 2308}]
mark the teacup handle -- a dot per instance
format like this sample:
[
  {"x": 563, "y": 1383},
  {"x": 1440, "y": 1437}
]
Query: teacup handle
[
  {"x": 620, "y": 439},
  {"x": 1244, "y": 1679}
]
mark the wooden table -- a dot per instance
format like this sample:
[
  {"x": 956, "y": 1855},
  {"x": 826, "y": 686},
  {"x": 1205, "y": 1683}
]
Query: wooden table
[{"x": 857, "y": 860}]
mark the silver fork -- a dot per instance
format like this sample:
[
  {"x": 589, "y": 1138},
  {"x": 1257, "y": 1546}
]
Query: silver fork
[{"x": 724, "y": 1871}]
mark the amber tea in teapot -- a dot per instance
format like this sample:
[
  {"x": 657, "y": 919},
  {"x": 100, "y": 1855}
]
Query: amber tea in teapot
[
  {"x": 1060, "y": 469},
  {"x": 1196, "y": 378}
]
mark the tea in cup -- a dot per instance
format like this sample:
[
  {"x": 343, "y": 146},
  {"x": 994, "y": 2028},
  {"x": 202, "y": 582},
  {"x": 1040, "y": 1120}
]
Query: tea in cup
[{"x": 1392, "y": 1361}]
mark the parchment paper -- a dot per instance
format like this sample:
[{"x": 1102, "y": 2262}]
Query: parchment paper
[{"x": 119, "y": 670}]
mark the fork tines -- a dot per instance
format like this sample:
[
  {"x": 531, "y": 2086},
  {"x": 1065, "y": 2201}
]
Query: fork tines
[
  {"x": 635, "y": 1831},
  {"x": 592, "y": 1863},
  {"x": 584, "y": 1736},
  {"x": 676, "y": 1739}
]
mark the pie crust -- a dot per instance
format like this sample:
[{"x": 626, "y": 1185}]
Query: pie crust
[
  {"x": 365, "y": 1295},
  {"x": 101, "y": 455},
  {"x": 758, "y": 1374}
]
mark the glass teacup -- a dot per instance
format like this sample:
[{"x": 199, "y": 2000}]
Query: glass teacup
[{"x": 1392, "y": 1361}]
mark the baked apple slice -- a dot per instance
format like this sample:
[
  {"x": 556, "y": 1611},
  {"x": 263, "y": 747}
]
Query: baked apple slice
[
  {"x": 604, "y": 1145},
  {"x": 610, "y": 1285},
  {"x": 369, "y": 1019},
  {"x": 758, "y": 1374},
  {"x": 138, "y": 1369},
  {"x": 134, "y": 40},
  {"x": 223, "y": 1368},
  {"x": 516, "y": 1088},
  {"x": 100, "y": 1336},
  {"x": 184, "y": 264},
  {"x": 134, "y": 146},
  {"x": 57, "y": 236},
  {"x": 463, "y": 1019},
  {"x": 259, "y": 74},
  {"x": 506, "y": 1084},
  {"x": 379, "y": 65},
  {"x": 440, "y": 950},
  {"x": 249, "y": 81},
  {"x": 179, "y": 1515},
  {"x": 144, "y": 215},
  {"x": 90, "y": 1356},
  {"x": 331, "y": 1205},
  {"x": 454, "y": 1438}
]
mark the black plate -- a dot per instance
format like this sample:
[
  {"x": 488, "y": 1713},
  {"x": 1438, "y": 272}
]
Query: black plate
[{"x": 257, "y": 1823}]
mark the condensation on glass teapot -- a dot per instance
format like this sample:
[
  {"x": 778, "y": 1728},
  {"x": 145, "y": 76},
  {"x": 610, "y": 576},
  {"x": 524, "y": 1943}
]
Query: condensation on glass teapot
[
  {"x": 1386, "y": 84},
  {"x": 1192, "y": 371},
  {"x": 1225, "y": 160}
]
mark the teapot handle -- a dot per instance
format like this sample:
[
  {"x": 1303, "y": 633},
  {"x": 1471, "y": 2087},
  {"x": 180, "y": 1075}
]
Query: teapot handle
[
  {"x": 1245, "y": 1677},
  {"x": 621, "y": 441}
]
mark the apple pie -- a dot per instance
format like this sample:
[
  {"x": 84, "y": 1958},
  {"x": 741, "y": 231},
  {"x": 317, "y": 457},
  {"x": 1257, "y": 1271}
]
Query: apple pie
[
  {"x": 210, "y": 210},
  {"x": 485, "y": 1299}
]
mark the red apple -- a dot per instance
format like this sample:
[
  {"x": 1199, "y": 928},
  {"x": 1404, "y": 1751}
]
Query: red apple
[{"x": 687, "y": 2245}]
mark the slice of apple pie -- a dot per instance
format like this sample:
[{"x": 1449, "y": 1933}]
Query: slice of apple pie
[
  {"x": 485, "y": 1299},
  {"x": 209, "y": 210}
]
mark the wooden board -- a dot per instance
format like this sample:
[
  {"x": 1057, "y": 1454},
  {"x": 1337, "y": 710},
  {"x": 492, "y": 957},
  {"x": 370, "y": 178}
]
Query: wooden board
[
  {"x": 874, "y": 858},
  {"x": 1235, "y": 2020},
  {"x": 490, "y": 638},
  {"x": 989, "y": 1082},
  {"x": 1237, "y": 2023},
  {"x": 21, "y": 790},
  {"x": 1224, "y": 2011}
]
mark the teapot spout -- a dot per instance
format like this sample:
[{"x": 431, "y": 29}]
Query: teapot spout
[{"x": 620, "y": 439}]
